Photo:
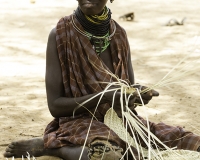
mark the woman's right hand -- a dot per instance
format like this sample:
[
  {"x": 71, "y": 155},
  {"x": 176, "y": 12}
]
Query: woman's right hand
[{"x": 117, "y": 102}]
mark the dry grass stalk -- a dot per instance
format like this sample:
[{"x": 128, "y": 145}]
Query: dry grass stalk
[
  {"x": 116, "y": 124},
  {"x": 28, "y": 157},
  {"x": 179, "y": 71}
]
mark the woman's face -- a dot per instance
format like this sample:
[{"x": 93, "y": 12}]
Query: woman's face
[{"x": 92, "y": 7}]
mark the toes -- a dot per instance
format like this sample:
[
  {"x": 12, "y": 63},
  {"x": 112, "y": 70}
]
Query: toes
[
  {"x": 8, "y": 154},
  {"x": 9, "y": 150},
  {"x": 11, "y": 146},
  {"x": 14, "y": 143}
]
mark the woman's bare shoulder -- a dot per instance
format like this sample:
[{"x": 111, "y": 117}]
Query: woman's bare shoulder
[{"x": 52, "y": 33}]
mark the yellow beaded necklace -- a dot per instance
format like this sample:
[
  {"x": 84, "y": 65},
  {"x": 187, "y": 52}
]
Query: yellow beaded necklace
[
  {"x": 95, "y": 28},
  {"x": 102, "y": 17}
]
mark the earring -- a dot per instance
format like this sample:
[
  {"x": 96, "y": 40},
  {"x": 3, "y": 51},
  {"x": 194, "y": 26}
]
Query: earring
[{"x": 111, "y": 1}]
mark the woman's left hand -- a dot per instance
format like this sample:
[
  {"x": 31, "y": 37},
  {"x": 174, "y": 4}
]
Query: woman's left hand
[{"x": 146, "y": 96}]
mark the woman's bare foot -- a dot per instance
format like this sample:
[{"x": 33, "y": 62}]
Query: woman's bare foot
[{"x": 35, "y": 147}]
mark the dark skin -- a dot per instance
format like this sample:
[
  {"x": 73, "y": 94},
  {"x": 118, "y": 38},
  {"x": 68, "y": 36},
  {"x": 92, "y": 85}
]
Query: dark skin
[
  {"x": 61, "y": 106},
  {"x": 57, "y": 101}
]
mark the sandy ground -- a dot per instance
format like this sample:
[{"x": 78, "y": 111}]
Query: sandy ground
[{"x": 156, "y": 48}]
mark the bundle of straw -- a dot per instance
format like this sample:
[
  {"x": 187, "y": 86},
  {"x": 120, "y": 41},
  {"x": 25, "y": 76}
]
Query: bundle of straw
[
  {"x": 115, "y": 123},
  {"x": 119, "y": 125}
]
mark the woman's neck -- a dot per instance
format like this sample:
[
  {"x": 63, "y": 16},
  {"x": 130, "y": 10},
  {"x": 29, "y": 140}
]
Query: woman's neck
[{"x": 97, "y": 25}]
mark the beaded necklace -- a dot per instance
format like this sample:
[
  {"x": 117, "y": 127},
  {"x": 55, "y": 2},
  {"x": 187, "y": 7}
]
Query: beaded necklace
[
  {"x": 100, "y": 44},
  {"x": 96, "y": 28},
  {"x": 96, "y": 19}
]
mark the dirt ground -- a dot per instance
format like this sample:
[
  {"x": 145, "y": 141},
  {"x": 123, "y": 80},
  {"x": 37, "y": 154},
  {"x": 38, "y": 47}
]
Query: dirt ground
[{"x": 155, "y": 47}]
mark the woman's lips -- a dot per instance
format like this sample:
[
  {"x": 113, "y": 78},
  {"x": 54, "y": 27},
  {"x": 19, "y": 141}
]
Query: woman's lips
[{"x": 89, "y": 4}]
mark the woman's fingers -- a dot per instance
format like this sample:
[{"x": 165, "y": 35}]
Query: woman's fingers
[
  {"x": 150, "y": 92},
  {"x": 143, "y": 101},
  {"x": 155, "y": 93},
  {"x": 132, "y": 101}
]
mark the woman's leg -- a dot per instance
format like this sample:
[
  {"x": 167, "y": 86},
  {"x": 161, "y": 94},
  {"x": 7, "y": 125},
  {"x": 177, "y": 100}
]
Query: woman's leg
[
  {"x": 35, "y": 147},
  {"x": 174, "y": 136}
]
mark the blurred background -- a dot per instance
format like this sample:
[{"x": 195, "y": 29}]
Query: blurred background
[{"x": 155, "y": 45}]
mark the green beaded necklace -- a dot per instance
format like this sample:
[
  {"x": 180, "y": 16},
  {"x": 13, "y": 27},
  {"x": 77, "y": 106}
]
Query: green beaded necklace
[
  {"x": 99, "y": 43},
  {"x": 95, "y": 28}
]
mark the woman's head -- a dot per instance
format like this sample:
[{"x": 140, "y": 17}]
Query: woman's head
[{"x": 92, "y": 7}]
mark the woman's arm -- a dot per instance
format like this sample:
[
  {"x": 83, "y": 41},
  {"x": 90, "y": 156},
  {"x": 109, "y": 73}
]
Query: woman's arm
[
  {"x": 130, "y": 69},
  {"x": 59, "y": 105}
]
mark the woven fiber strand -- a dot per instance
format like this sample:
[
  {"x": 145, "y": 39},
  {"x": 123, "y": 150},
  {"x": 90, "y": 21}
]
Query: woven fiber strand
[
  {"x": 115, "y": 123},
  {"x": 185, "y": 155},
  {"x": 33, "y": 158}
]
